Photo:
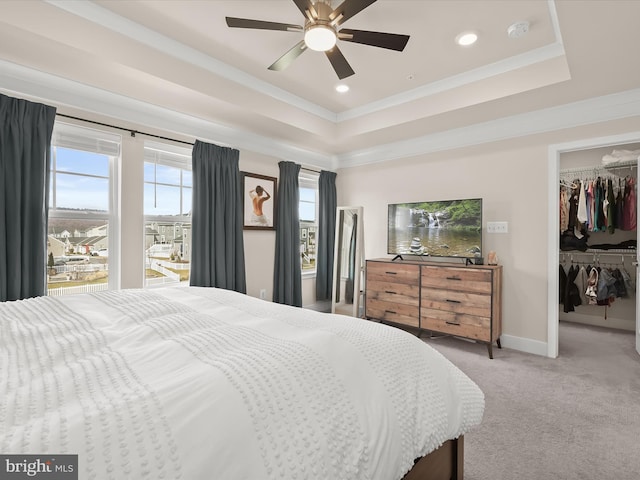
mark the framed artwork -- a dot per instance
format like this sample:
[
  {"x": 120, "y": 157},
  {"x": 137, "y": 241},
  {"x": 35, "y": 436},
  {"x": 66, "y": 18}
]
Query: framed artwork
[{"x": 259, "y": 196}]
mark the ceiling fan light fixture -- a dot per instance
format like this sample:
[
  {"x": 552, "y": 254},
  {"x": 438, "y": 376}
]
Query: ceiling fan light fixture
[{"x": 320, "y": 37}]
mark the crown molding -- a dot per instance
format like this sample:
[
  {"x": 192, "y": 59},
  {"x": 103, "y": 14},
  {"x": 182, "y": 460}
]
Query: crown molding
[
  {"x": 20, "y": 80},
  {"x": 62, "y": 92},
  {"x": 594, "y": 110}
]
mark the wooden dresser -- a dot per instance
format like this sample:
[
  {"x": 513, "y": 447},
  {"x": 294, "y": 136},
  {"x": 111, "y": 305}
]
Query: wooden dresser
[{"x": 465, "y": 301}]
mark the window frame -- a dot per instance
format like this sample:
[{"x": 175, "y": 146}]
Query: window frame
[
  {"x": 310, "y": 180},
  {"x": 93, "y": 141},
  {"x": 172, "y": 156}
]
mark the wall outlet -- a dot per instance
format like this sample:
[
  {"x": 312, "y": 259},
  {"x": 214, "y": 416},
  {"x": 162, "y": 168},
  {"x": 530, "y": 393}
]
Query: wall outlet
[
  {"x": 263, "y": 293},
  {"x": 497, "y": 227}
]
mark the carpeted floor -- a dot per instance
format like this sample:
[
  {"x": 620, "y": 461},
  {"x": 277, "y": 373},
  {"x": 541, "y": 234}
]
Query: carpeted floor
[{"x": 576, "y": 417}]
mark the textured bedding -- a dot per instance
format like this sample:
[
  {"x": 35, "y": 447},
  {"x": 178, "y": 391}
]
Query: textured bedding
[{"x": 203, "y": 383}]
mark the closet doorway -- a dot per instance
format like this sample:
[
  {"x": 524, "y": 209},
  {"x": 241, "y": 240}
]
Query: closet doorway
[{"x": 595, "y": 246}]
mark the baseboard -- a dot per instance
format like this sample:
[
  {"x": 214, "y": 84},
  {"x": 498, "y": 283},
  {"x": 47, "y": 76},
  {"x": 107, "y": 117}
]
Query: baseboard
[{"x": 524, "y": 344}]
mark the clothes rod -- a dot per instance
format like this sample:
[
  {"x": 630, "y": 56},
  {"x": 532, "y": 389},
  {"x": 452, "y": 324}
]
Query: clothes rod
[
  {"x": 599, "y": 252},
  {"x": 599, "y": 169}
]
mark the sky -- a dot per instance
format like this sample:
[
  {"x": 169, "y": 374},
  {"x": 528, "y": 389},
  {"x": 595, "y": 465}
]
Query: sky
[{"x": 82, "y": 182}]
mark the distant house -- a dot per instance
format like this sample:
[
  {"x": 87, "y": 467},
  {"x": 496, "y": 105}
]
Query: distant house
[
  {"x": 173, "y": 234},
  {"x": 101, "y": 231},
  {"x": 56, "y": 246},
  {"x": 88, "y": 245}
]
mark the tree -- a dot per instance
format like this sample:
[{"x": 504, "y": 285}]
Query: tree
[{"x": 51, "y": 264}]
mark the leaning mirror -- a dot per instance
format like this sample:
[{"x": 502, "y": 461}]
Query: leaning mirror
[{"x": 348, "y": 262}]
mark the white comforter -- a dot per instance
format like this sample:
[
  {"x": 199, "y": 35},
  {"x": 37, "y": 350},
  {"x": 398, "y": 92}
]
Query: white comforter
[{"x": 203, "y": 383}]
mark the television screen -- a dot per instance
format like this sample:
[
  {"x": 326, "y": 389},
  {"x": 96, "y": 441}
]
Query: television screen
[{"x": 451, "y": 228}]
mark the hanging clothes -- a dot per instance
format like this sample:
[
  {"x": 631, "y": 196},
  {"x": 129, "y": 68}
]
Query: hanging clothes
[
  {"x": 606, "y": 292},
  {"x": 611, "y": 207},
  {"x": 630, "y": 217},
  {"x": 572, "y": 295},
  {"x": 620, "y": 205},
  {"x": 588, "y": 200},
  {"x": 600, "y": 221},
  {"x": 582, "y": 204},
  {"x": 581, "y": 282},
  {"x": 629, "y": 283},
  {"x": 562, "y": 283},
  {"x": 621, "y": 289},
  {"x": 564, "y": 208},
  {"x": 592, "y": 287}
]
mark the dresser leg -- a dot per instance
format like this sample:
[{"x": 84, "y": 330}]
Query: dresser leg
[
  {"x": 498, "y": 342},
  {"x": 490, "y": 348}
]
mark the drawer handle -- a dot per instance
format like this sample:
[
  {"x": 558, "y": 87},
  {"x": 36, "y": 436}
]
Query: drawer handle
[
  {"x": 391, "y": 273},
  {"x": 452, "y": 323},
  {"x": 453, "y": 301},
  {"x": 454, "y": 278},
  {"x": 389, "y": 291},
  {"x": 390, "y": 311}
]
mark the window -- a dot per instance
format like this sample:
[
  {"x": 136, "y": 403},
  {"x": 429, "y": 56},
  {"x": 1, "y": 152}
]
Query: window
[
  {"x": 81, "y": 203},
  {"x": 167, "y": 212},
  {"x": 308, "y": 211}
]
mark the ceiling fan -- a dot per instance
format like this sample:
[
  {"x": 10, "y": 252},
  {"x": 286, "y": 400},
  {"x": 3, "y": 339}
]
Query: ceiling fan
[{"x": 321, "y": 32}]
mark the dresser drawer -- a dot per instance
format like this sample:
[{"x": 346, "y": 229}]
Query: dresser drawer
[
  {"x": 393, "y": 312},
  {"x": 449, "y": 298},
  {"x": 457, "y": 279},
  {"x": 458, "y": 324},
  {"x": 459, "y": 302},
  {"x": 394, "y": 292},
  {"x": 393, "y": 273}
]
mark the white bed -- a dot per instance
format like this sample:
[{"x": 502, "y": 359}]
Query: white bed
[{"x": 204, "y": 383}]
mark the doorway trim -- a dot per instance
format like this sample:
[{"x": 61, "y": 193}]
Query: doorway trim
[{"x": 553, "y": 239}]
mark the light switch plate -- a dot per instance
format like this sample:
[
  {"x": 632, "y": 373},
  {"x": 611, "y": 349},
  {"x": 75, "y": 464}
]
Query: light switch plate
[{"x": 497, "y": 227}]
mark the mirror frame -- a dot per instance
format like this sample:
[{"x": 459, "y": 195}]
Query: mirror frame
[{"x": 358, "y": 260}]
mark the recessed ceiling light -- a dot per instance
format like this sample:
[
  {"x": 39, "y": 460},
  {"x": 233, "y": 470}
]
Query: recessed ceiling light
[
  {"x": 466, "y": 38},
  {"x": 342, "y": 88}
]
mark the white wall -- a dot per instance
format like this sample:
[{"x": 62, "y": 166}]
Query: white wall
[{"x": 512, "y": 178}]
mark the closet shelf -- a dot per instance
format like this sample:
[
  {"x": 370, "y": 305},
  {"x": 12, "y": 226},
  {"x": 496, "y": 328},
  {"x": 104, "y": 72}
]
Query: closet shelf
[
  {"x": 610, "y": 251},
  {"x": 597, "y": 170}
]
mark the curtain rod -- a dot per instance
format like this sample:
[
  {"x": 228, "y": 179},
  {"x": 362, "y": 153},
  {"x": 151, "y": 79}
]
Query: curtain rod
[
  {"x": 131, "y": 131},
  {"x": 134, "y": 132}
]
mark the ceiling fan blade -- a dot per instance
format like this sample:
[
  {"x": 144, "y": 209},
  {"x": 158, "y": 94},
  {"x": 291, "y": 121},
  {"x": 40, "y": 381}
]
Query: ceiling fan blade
[
  {"x": 348, "y": 9},
  {"x": 262, "y": 25},
  {"x": 304, "y": 6},
  {"x": 339, "y": 63},
  {"x": 285, "y": 60},
  {"x": 392, "y": 41}
]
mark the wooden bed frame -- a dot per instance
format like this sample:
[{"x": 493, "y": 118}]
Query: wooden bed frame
[{"x": 445, "y": 463}]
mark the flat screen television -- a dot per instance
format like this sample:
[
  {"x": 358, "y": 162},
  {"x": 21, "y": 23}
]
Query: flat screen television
[{"x": 443, "y": 228}]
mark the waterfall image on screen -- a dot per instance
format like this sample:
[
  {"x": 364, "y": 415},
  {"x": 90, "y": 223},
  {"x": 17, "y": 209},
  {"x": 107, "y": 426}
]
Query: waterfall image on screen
[{"x": 450, "y": 228}]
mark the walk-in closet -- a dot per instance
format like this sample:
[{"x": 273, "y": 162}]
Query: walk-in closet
[{"x": 598, "y": 236}]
